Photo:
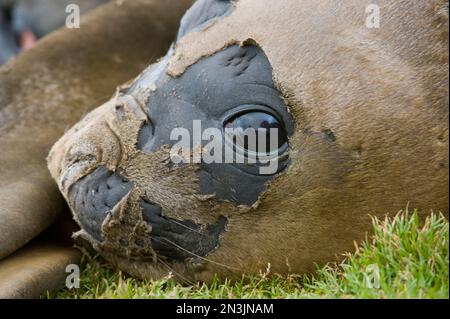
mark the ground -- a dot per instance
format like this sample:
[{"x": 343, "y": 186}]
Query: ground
[{"x": 403, "y": 259}]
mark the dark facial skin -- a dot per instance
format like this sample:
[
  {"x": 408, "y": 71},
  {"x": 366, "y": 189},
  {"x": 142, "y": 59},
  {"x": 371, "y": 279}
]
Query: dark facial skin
[{"x": 232, "y": 88}]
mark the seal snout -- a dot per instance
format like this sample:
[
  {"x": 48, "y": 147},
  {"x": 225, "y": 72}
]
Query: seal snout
[
  {"x": 94, "y": 196},
  {"x": 88, "y": 145}
]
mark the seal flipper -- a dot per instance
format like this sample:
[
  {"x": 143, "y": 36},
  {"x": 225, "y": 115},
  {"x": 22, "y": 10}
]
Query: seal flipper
[
  {"x": 42, "y": 265},
  {"x": 50, "y": 87},
  {"x": 46, "y": 261}
]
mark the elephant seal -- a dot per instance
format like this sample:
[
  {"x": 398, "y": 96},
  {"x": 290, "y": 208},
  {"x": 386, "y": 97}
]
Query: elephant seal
[
  {"x": 362, "y": 113},
  {"x": 45, "y": 91},
  {"x": 24, "y": 22}
]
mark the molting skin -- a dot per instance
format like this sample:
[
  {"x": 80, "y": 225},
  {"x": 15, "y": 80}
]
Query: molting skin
[
  {"x": 363, "y": 115},
  {"x": 44, "y": 92}
]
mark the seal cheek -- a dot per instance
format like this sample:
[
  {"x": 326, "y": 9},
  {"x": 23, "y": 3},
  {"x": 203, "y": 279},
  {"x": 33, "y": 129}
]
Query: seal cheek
[{"x": 180, "y": 240}]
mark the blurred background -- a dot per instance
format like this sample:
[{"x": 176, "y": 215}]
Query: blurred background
[{"x": 24, "y": 22}]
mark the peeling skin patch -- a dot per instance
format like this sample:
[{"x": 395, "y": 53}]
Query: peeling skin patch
[{"x": 96, "y": 195}]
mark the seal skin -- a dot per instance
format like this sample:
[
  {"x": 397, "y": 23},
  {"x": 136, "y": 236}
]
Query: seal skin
[{"x": 365, "y": 111}]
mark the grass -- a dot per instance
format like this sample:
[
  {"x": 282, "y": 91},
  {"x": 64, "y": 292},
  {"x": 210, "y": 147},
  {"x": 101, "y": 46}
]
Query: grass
[{"x": 411, "y": 258}]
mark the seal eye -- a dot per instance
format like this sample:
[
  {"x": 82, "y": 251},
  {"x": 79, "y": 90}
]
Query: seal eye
[{"x": 257, "y": 132}]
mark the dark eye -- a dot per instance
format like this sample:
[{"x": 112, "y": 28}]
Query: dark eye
[{"x": 258, "y": 132}]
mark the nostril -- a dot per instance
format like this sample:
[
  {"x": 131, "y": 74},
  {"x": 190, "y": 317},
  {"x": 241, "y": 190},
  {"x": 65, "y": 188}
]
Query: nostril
[{"x": 120, "y": 111}]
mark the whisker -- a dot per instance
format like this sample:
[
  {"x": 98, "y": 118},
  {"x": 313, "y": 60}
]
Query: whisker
[
  {"x": 187, "y": 227},
  {"x": 195, "y": 255}
]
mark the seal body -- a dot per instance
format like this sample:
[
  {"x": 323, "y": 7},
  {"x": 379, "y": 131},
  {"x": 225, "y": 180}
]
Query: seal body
[
  {"x": 363, "y": 114},
  {"x": 23, "y": 22}
]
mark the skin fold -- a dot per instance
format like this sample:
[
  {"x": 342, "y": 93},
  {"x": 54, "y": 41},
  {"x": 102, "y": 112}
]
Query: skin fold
[{"x": 365, "y": 112}]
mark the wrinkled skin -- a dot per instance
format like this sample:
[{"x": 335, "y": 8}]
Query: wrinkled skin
[
  {"x": 365, "y": 111},
  {"x": 8, "y": 46}
]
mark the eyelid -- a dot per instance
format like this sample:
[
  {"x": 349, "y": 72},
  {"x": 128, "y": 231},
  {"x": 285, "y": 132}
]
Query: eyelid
[{"x": 247, "y": 108}]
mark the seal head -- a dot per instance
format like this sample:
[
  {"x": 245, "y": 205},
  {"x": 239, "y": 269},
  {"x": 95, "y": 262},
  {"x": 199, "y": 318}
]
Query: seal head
[{"x": 361, "y": 120}]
